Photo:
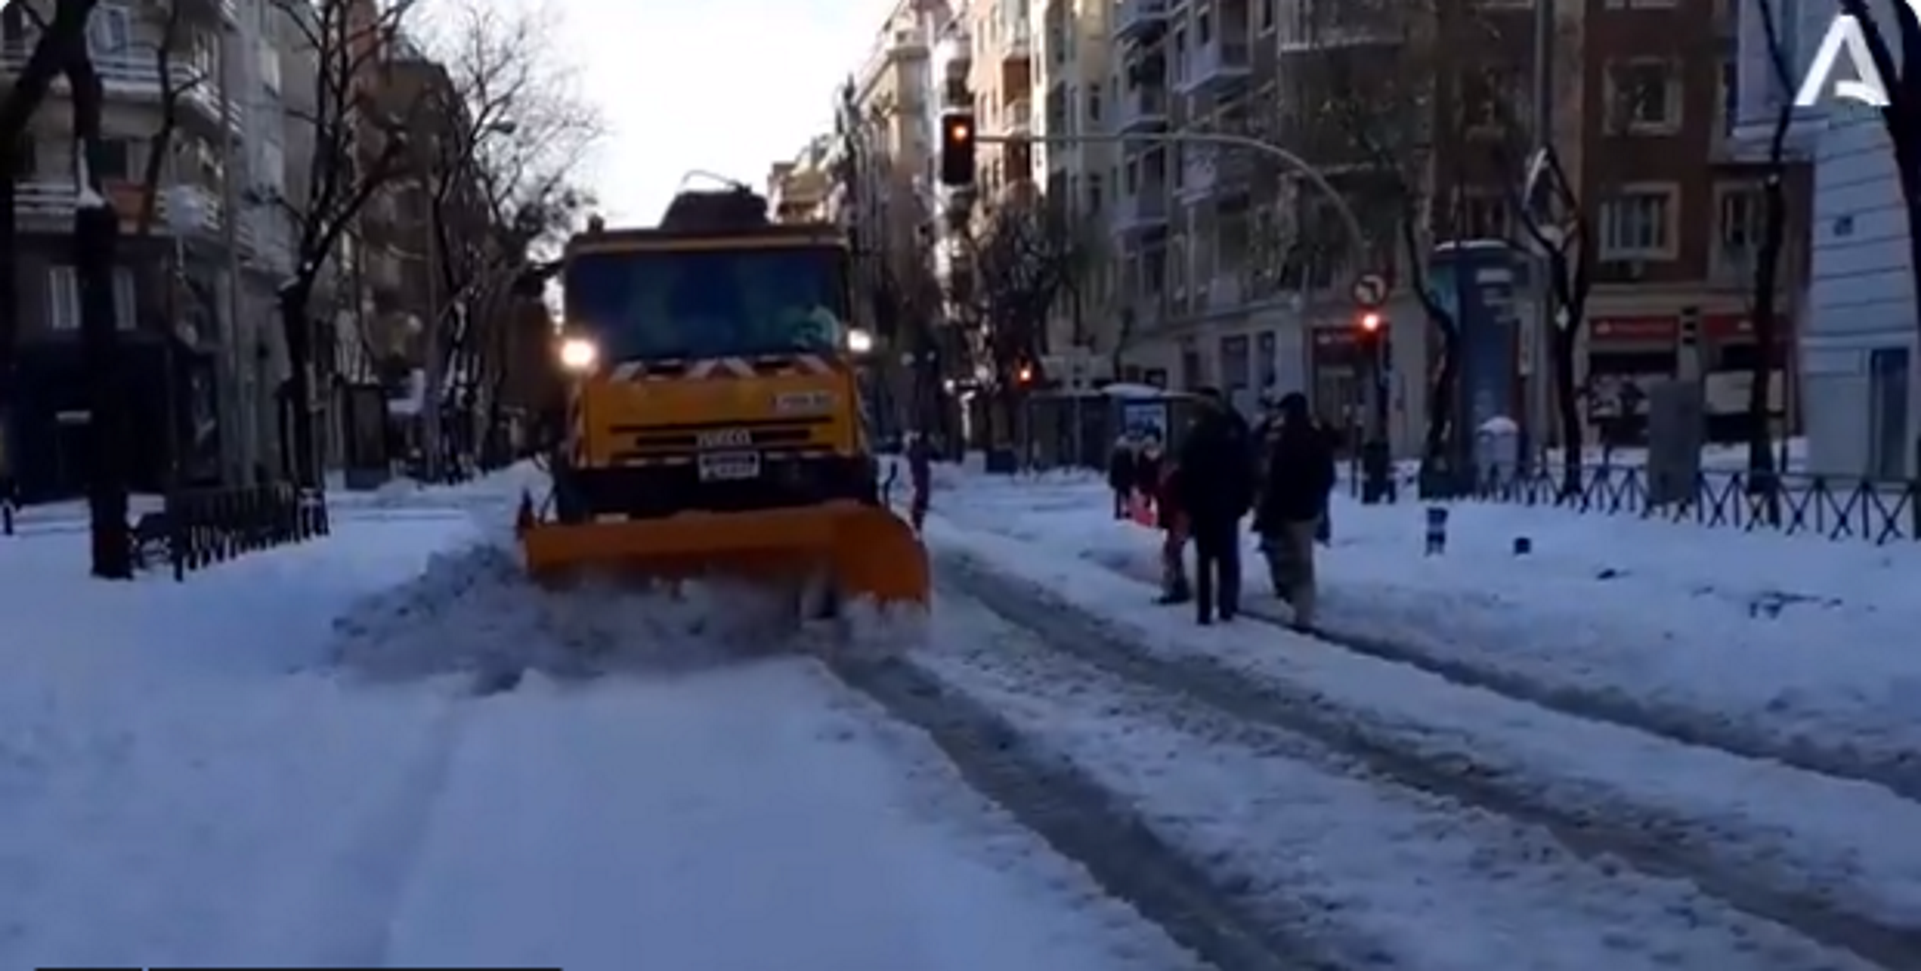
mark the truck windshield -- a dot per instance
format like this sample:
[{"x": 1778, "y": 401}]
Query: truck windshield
[{"x": 662, "y": 305}]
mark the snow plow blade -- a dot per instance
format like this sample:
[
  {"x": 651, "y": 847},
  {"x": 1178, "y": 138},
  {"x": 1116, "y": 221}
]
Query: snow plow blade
[{"x": 867, "y": 551}]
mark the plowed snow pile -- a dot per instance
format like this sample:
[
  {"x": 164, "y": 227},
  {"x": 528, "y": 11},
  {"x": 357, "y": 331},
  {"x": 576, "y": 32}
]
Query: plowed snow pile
[{"x": 474, "y": 612}]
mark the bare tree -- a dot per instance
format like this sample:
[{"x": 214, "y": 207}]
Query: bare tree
[
  {"x": 1767, "y": 260},
  {"x": 357, "y": 148},
  {"x": 1411, "y": 106},
  {"x": 58, "y": 37},
  {"x": 178, "y": 80},
  {"x": 96, "y": 233},
  {"x": 1025, "y": 259},
  {"x": 1550, "y": 212},
  {"x": 501, "y": 182}
]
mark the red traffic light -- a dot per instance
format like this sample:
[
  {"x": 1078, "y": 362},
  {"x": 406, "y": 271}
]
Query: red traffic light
[
  {"x": 1025, "y": 374},
  {"x": 957, "y": 149},
  {"x": 1370, "y": 323}
]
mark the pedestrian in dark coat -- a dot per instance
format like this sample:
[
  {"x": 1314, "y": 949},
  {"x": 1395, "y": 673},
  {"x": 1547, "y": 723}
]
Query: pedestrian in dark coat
[
  {"x": 1300, "y": 476},
  {"x": 1216, "y": 490},
  {"x": 920, "y": 475},
  {"x": 1121, "y": 474}
]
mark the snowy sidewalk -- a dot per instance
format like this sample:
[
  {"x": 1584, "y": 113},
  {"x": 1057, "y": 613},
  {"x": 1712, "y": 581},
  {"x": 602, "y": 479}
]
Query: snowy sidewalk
[{"x": 1794, "y": 640}]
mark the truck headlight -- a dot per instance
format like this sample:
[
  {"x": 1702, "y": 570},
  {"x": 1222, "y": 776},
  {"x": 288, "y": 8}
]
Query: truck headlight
[
  {"x": 860, "y": 341},
  {"x": 578, "y": 354}
]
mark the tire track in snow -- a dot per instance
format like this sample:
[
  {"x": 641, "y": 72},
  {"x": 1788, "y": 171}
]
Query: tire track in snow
[
  {"x": 1082, "y": 822},
  {"x": 1682, "y": 725},
  {"x": 1658, "y": 852},
  {"x": 381, "y": 841},
  {"x": 1685, "y": 727}
]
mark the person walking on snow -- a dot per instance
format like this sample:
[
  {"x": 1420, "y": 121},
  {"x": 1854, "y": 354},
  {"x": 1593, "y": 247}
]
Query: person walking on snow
[
  {"x": 1299, "y": 478},
  {"x": 1216, "y": 488},
  {"x": 920, "y": 478},
  {"x": 1121, "y": 474},
  {"x": 1172, "y": 520}
]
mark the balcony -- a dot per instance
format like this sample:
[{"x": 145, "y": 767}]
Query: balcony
[
  {"x": 226, "y": 12},
  {"x": 1216, "y": 172},
  {"x": 1217, "y": 295},
  {"x": 46, "y": 205},
  {"x": 1017, "y": 118},
  {"x": 1019, "y": 45},
  {"x": 1142, "y": 109},
  {"x": 1217, "y": 66},
  {"x": 1134, "y": 19},
  {"x": 135, "y": 77},
  {"x": 1144, "y": 210}
]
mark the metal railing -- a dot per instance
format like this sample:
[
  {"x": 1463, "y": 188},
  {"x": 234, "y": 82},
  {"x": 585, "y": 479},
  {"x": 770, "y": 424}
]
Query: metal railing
[
  {"x": 198, "y": 528},
  {"x": 1831, "y": 507}
]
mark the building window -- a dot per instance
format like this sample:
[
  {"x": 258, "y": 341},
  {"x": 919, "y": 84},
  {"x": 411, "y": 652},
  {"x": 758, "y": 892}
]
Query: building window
[
  {"x": 63, "y": 298},
  {"x": 110, "y": 32},
  {"x": 269, "y": 59},
  {"x": 1645, "y": 96},
  {"x": 1741, "y": 224},
  {"x": 1094, "y": 193},
  {"x": 1638, "y": 224},
  {"x": 1267, "y": 16},
  {"x": 120, "y": 160},
  {"x": 1094, "y": 104}
]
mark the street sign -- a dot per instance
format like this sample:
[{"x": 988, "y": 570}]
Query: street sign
[{"x": 1370, "y": 290}]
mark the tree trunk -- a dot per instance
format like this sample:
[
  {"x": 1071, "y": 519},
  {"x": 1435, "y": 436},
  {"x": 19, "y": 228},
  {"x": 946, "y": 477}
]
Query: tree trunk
[
  {"x": 1440, "y": 410},
  {"x": 300, "y": 446},
  {"x": 95, "y": 233},
  {"x": 1563, "y": 343},
  {"x": 1761, "y": 470},
  {"x": 9, "y": 306}
]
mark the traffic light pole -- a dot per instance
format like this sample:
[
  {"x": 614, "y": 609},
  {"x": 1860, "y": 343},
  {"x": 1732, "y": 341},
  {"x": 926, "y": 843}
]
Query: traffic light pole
[
  {"x": 1377, "y": 480},
  {"x": 1293, "y": 162}
]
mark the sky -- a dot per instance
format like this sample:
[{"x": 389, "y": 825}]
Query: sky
[{"x": 729, "y": 86}]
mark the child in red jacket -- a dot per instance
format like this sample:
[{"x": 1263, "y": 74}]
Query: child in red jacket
[{"x": 1173, "y": 523}]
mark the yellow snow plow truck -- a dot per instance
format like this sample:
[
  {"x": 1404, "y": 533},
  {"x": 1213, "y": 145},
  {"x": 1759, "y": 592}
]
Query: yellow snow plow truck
[{"x": 714, "y": 423}]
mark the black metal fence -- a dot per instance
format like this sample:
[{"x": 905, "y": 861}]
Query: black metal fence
[
  {"x": 1878, "y": 512},
  {"x": 198, "y": 528}
]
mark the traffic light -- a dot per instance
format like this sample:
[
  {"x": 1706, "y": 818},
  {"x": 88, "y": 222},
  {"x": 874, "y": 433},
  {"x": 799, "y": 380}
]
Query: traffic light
[
  {"x": 1024, "y": 374},
  {"x": 957, "y": 149},
  {"x": 1370, "y": 325}
]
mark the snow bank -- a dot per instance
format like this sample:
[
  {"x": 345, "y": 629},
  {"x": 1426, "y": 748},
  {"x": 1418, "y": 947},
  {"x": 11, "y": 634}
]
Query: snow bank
[
  {"x": 475, "y": 612},
  {"x": 153, "y": 742},
  {"x": 1797, "y": 639}
]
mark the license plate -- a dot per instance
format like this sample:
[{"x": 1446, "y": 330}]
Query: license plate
[{"x": 729, "y": 466}]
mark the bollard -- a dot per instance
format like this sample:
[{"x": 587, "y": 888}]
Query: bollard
[
  {"x": 1523, "y": 546},
  {"x": 1436, "y": 530}
]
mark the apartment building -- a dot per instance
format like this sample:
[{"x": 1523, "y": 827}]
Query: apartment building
[
  {"x": 1226, "y": 268},
  {"x": 798, "y": 190},
  {"x": 1857, "y": 349},
  {"x": 185, "y": 277},
  {"x": 1074, "y": 66},
  {"x": 1001, "y": 33}
]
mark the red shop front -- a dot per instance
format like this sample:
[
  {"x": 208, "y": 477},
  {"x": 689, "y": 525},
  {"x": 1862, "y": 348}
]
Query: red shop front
[{"x": 1628, "y": 354}]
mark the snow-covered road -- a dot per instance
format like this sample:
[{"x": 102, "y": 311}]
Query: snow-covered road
[
  {"x": 166, "y": 800},
  {"x": 386, "y": 749},
  {"x": 1795, "y": 649}
]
